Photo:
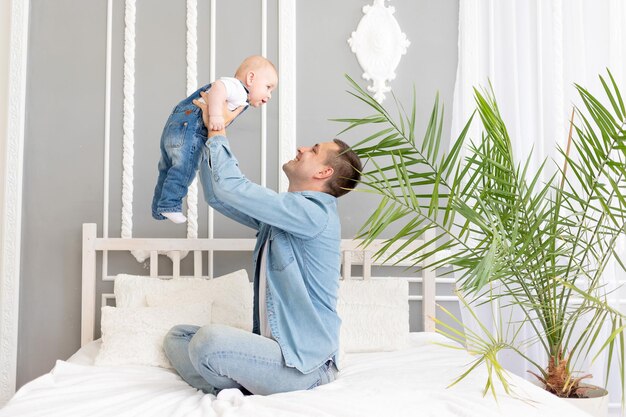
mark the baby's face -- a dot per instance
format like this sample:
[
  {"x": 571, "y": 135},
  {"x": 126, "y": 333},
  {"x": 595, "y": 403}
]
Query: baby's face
[{"x": 261, "y": 86}]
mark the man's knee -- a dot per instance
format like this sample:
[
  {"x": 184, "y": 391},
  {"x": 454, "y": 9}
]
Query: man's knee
[
  {"x": 178, "y": 333},
  {"x": 209, "y": 337},
  {"x": 182, "y": 331},
  {"x": 207, "y": 344}
]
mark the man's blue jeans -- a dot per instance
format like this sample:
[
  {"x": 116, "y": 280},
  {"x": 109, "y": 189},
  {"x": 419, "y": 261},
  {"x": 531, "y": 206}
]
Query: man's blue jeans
[{"x": 216, "y": 357}]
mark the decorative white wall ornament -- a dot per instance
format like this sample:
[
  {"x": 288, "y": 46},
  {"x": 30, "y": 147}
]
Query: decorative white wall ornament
[
  {"x": 192, "y": 85},
  {"x": 378, "y": 44},
  {"x": 212, "y": 76},
  {"x": 129, "y": 121},
  {"x": 12, "y": 164},
  {"x": 287, "y": 145},
  {"x": 287, "y": 91},
  {"x": 128, "y": 140},
  {"x": 264, "y": 108}
]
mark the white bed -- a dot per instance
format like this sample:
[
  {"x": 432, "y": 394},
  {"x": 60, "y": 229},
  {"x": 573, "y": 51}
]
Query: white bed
[{"x": 410, "y": 381}]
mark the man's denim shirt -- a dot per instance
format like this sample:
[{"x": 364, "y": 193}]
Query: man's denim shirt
[{"x": 302, "y": 230}]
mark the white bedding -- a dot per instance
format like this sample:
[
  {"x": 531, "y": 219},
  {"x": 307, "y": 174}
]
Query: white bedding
[{"x": 408, "y": 382}]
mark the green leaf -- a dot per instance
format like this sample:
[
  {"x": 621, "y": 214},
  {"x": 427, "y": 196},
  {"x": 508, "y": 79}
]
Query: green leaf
[{"x": 494, "y": 222}]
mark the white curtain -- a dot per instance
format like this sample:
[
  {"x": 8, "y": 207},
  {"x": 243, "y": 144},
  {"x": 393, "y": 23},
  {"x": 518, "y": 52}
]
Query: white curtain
[{"x": 532, "y": 52}]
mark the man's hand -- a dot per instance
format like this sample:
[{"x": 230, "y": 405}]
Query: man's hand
[{"x": 228, "y": 115}]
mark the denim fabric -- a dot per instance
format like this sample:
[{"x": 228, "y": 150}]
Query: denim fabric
[
  {"x": 217, "y": 357},
  {"x": 302, "y": 231},
  {"x": 182, "y": 143}
]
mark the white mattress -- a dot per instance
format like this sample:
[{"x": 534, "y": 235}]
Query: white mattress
[{"x": 408, "y": 382}]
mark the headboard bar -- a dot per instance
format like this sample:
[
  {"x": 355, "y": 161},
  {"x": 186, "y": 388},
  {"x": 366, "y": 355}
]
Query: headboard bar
[
  {"x": 88, "y": 310},
  {"x": 197, "y": 264},
  {"x": 353, "y": 254},
  {"x": 367, "y": 264},
  {"x": 176, "y": 264},
  {"x": 154, "y": 263},
  {"x": 347, "y": 264},
  {"x": 172, "y": 244}
]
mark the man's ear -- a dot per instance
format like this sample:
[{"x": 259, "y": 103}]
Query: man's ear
[{"x": 324, "y": 173}]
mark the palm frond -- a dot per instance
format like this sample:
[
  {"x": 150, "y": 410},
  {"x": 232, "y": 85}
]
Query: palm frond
[{"x": 543, "y": 241}]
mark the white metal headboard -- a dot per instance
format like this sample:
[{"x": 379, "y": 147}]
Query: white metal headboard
[{"x": 352, "y": 254}]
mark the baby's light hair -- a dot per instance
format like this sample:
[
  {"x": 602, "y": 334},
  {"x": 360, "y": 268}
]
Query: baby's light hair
[{"x": 253, "y": 63}]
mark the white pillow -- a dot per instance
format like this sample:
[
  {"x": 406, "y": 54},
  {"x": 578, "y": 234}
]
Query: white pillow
[
  {"x": 230, "y": 295},
  {"x": 134, "y": 335},
  {"x": 374, "y": 314}
]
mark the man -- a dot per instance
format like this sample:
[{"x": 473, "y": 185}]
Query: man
[{"x": 295, "y": 339}]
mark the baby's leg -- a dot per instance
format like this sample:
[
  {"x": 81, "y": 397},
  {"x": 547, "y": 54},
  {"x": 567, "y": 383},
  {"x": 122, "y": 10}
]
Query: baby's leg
[{"x": 183, "y": 149}]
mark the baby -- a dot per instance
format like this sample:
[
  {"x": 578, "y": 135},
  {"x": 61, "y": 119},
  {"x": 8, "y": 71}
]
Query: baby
[{"x": 184, "y": 134}]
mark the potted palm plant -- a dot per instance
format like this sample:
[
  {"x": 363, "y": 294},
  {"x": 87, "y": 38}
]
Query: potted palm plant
[{"x": 539, "y": 246}]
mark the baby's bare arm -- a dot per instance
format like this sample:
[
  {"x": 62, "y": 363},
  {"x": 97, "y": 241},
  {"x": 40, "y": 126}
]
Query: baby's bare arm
[
  {"x": 227, "y": 115},
  {"x": 216, "y": 97}
]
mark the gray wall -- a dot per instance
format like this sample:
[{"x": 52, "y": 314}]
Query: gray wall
[{"x": 63, "y": 178}]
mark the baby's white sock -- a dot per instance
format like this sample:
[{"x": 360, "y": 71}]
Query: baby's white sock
[{"x": 176, "y": 217}]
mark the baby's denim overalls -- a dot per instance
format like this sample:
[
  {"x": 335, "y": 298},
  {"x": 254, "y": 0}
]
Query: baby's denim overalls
[{"x": 182, "y": 142}]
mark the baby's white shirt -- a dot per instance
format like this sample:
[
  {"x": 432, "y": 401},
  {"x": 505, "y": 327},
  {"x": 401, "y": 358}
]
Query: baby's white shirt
[{"x": 236, "y": 94}]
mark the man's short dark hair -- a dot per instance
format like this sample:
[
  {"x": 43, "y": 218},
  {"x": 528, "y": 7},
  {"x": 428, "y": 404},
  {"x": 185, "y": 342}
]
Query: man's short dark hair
[{"x": 347, "y": 167}]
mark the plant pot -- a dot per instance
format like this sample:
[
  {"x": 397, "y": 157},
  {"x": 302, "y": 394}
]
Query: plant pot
[{"x": 596, "y": 403}]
